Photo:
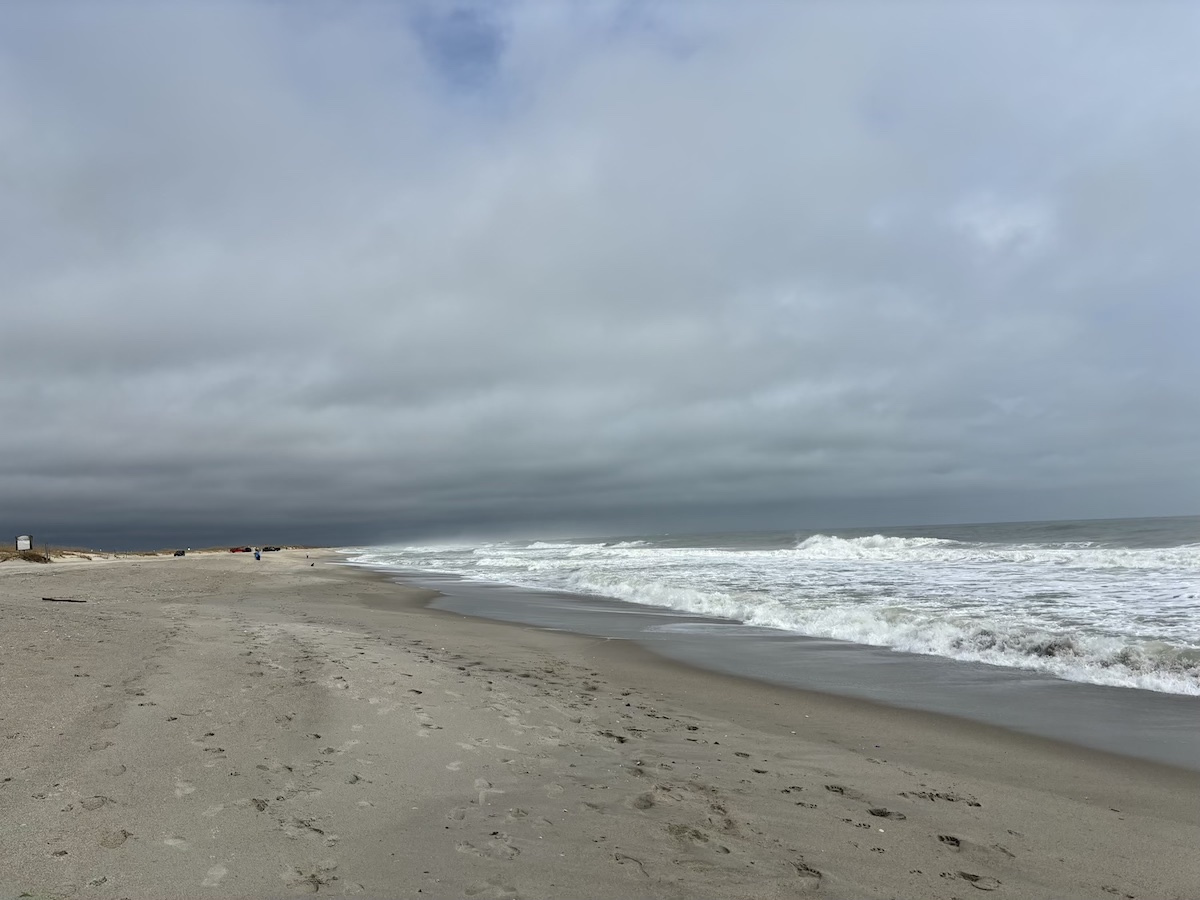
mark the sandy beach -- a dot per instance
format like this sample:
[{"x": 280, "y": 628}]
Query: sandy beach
[{"x": 213, "y": 726}]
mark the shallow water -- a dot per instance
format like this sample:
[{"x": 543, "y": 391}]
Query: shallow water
[
  {"x": 1111, "y": 603},
  {"x": 1087, "y": 632},
  {"x": 1149, "y": 725}
]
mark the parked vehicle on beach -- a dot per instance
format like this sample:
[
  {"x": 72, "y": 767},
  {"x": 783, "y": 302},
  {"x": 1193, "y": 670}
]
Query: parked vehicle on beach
[
  {"x": 180, "y": 552},
  {"x": 270, "y": 549}
]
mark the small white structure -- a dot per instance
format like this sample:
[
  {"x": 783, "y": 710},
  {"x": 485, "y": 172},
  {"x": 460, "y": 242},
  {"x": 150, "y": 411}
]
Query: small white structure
[{"x": 24, "y": 542}]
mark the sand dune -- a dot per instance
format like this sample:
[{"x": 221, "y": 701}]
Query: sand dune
[{"x": 216, "y": 726}]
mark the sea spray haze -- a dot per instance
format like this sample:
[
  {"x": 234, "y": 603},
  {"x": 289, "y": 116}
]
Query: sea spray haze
[{"x": 1113, "y": 602}]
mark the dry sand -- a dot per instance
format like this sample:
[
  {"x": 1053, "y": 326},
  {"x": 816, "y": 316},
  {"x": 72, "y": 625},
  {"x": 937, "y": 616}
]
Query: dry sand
[{"x": 210, "y": 726}]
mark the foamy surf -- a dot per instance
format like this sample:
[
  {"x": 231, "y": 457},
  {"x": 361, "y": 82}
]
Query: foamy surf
[{"x": 1091, "y": 607}]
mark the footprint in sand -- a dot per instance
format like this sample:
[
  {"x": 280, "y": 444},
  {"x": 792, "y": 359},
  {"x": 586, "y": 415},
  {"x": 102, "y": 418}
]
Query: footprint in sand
[
  {"x": 497, "y": 848},
  {"x": 454, "y": 766},
  {"x": 177, "y": 842},
  {"x": 91, "y": 803},
  {"x": 100, "y": 745},
  {"x": 844, "y": 791},
  {"x": 981, "y": 882},
  {"x": 214, "y": 875},
  {"x": 687, "y": 834},
  {"x": 485, "y": 787},
  {"x": 183, "y": 788},
  {"x": 494, "y": 889},
  {"x": 114, "y": 839},
  {"x": 810, "y": 878},
  {"x": 115, "y": 770},
  {"x": 310, "y": 879}
]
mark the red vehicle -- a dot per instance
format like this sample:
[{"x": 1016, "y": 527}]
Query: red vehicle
[{"x": 240, "y": 550}]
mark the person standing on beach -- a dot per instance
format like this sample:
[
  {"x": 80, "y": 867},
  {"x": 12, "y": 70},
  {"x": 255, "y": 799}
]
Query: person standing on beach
[{"x": 257, "y": 555}]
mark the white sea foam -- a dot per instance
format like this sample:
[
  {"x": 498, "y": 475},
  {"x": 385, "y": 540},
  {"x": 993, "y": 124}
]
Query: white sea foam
[
  {"x": 1079, "y": 610},
  {"x": 1072, "y": 554}
]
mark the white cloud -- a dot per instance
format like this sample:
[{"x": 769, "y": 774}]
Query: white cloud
[
  {"x": 630, "y": 262},
  {"x": 1000, "y": 228}
]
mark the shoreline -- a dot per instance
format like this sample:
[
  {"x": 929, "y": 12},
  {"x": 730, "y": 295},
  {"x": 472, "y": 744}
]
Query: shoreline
[
  {"x": 461, "y": 756},
  {"x": 1154, "y": 727},
  {"x": 644, "y": 659}
]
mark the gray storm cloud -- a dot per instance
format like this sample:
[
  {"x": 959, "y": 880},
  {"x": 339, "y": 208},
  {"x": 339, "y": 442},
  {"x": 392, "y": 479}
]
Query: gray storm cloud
[{"x": 403, "y": 270}]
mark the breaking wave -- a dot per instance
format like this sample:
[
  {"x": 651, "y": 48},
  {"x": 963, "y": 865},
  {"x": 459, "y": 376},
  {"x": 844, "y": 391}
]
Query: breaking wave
[
  {"x": 1079, "y": 610},
  {"x": 1097, "y": 659},
  {"x": 1078, "y": 554}
]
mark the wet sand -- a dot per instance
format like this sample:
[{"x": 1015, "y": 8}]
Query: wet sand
[
  {"x": 1159, "y": 727},
  {"x": 215, "y": 726}
]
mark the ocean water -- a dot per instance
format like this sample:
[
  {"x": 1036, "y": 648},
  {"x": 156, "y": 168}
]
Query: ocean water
[{"x": 1107, "y": 602}]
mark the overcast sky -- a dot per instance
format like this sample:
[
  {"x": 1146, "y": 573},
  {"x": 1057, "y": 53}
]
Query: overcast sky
[{"x": 359, "y": 272}]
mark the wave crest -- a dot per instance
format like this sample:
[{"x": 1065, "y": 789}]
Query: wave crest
[
  {"x": 879, "y": 548},
  {"x": 1096, "y": 659}
]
